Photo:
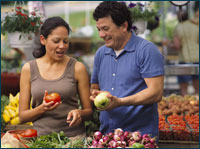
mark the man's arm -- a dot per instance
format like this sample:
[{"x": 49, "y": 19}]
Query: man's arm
[{"x": 153, "y": 93}]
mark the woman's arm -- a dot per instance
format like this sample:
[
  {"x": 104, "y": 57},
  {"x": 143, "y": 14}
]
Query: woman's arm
[
  {"x": 25, "y": 113},
  {"x": 85, "y": 113}
]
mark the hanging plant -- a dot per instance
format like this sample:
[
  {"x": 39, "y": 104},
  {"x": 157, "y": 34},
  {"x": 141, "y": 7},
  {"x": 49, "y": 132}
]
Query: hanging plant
[
  {"x": 140, "y": 11},
  {"x": 20, "y": 20}
]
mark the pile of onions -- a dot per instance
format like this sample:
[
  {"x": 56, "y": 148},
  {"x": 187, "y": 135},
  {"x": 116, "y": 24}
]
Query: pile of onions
[{"x": 122, "y": 139}]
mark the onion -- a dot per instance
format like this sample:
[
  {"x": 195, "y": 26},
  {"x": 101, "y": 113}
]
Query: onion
[
  {"x": 105, "y": 139},
  {"x": 152, "y": 140},
  {"x": 116, "y": 137},
  {"x": 110, "y": 135},
  {"x": 127, "y": 135},
  {"x": 131, "y": 143},
  {"x": 97, "y": 135},
  {"x": 149, "y": 145},
  {"x": 136, "y": 136},
  {"x": 118, "y": 132},
  {"x": 95, "y": 142},
  {"x": 112, "y": 144}
]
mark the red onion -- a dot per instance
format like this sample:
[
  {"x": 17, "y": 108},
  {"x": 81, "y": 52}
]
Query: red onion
[
  {"x": 149, "y": 145},
  {"x": 152, "y": 140},
  {"x": 95, "y": 142},
  {"x": 112, "y": 144},
  {"x": 110, "y": 135},
  {"x": 118, "y": 132},
  {"x": 127, "y": 135},
  {"x": 105, "y": 139},
  {"x": 97, "y": 135},
  {"x": 136, "y": 136},
  {"x": 131, "y": 143},
  {"x": 116, "y": 137}
]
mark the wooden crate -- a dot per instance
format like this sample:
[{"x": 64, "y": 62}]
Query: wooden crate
[{"x": 178, "y": 144}]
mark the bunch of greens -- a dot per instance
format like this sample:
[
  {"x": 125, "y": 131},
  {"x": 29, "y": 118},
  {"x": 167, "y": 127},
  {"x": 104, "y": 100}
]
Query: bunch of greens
[
  {"x": 53, "y": 140},
  {"x": 4, "y": 102},
  {"x": 94, "y": 124}
]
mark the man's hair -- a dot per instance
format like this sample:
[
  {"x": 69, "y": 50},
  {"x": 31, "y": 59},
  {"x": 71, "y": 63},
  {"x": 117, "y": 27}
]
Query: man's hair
[
  {"x": 117, "y": 10},
  {"x": 182, "y": 16}
]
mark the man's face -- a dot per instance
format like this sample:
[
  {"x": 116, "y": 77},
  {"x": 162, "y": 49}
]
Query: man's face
[{"x": 112, "y": 34}]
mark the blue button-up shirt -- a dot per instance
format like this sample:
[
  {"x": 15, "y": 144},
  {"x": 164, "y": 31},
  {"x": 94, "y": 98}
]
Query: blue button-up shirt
[{"x": 124, "y": 76}]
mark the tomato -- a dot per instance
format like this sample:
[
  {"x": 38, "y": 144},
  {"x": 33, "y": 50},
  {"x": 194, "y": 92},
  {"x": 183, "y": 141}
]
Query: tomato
[
  {"x": 55, "y": 97},
  {"x": 29, "y": 133}
]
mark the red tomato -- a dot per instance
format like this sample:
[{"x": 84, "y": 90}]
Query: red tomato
[
  {"x": 55, "y": 97},
  {"x": 29, "y": 133}
]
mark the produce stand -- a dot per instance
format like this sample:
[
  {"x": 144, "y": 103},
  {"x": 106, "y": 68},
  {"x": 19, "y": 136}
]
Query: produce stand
[
  {"x": 178, "y": 144},
  {"x": 181, "y": 69},
  {"x": 18, "y": 127},
  {"x": 178, "y": 70}
]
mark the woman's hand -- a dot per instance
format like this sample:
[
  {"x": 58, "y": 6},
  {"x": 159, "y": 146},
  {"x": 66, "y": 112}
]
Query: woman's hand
[
  {"x": 74, "y": 117},
  {"x": 50, "y": 105},
  {"x": 94, "y": 93}
]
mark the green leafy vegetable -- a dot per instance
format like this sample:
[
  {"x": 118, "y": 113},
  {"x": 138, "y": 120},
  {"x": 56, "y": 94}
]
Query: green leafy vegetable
[{"x": 53, "y": 140}]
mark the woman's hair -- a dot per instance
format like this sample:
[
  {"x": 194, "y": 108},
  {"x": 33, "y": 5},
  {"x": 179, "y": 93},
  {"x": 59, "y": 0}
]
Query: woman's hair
[
  {"x": 47, "y": 27},
  {"x": 118, "y": 11}
]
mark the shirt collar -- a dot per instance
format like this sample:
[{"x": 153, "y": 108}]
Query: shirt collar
[{"x": 129, "y": 46}]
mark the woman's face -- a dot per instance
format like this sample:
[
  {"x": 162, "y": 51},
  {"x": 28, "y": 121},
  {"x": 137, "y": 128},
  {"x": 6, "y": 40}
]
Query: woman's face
[{"x": 56, "y": 43}]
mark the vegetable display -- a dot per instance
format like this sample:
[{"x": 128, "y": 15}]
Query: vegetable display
[
  {"x": 10, "y": 110},
  {"x": 53, "y": 140},
  {"x": 123, "y": 139},
  {"x": 178, "y": 105}
]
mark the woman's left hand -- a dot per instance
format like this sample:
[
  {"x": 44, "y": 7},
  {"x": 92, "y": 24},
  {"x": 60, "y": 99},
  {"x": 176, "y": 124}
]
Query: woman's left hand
[{"x": 74, "y": 117}]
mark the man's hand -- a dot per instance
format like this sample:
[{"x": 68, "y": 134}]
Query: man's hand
[{"x": 114, "y": 101}]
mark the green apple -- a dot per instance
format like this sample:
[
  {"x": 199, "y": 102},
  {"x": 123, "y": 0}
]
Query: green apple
[{"x": 101, "y": 100}]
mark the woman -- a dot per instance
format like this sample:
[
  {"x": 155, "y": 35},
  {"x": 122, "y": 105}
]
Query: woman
[{"x": 54, "y": 71}]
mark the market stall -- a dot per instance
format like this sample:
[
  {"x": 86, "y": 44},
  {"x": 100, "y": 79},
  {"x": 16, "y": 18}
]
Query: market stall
[{"x": 178, "y": 116}]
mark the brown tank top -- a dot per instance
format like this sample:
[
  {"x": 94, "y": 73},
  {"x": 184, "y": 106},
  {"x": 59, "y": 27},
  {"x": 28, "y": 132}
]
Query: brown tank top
[{"x": 66, "y": 86}]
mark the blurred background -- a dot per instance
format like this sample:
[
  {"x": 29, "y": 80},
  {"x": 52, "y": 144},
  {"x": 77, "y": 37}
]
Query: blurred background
[{"x": 84, "y": 40}]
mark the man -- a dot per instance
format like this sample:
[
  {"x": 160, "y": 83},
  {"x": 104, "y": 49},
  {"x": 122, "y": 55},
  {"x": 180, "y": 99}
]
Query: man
[
  {"x": 186, "y": 42},
  {"x": 130, "y": 68}
]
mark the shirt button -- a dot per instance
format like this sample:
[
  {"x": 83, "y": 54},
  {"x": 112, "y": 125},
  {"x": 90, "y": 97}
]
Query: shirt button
[
  {"x": 114, "y": 74},
  {"x": 112, "y": 89},
  {"x": 115, "y": 60}
]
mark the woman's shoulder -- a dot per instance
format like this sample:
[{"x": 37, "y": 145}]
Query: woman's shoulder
[
  {"x": 26, "y": 69},
  {"x": 79, "y": 66}
]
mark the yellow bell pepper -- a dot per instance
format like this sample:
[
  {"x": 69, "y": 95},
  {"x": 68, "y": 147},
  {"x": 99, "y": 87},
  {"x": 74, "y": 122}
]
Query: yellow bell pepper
[
  {"x": 6, "y": 118},
  {"x": 15, "y": 121},
  {"x": 12, "y": 113}
]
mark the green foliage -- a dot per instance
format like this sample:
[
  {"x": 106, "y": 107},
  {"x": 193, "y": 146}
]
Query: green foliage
[
  {"x": 53, "y": 140},
  {"x": 139, "y": 12},
  {"x": 92, "y": 125},
  {"x": 22, "y": 21},
  {"x": 4, "y": 102}
]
